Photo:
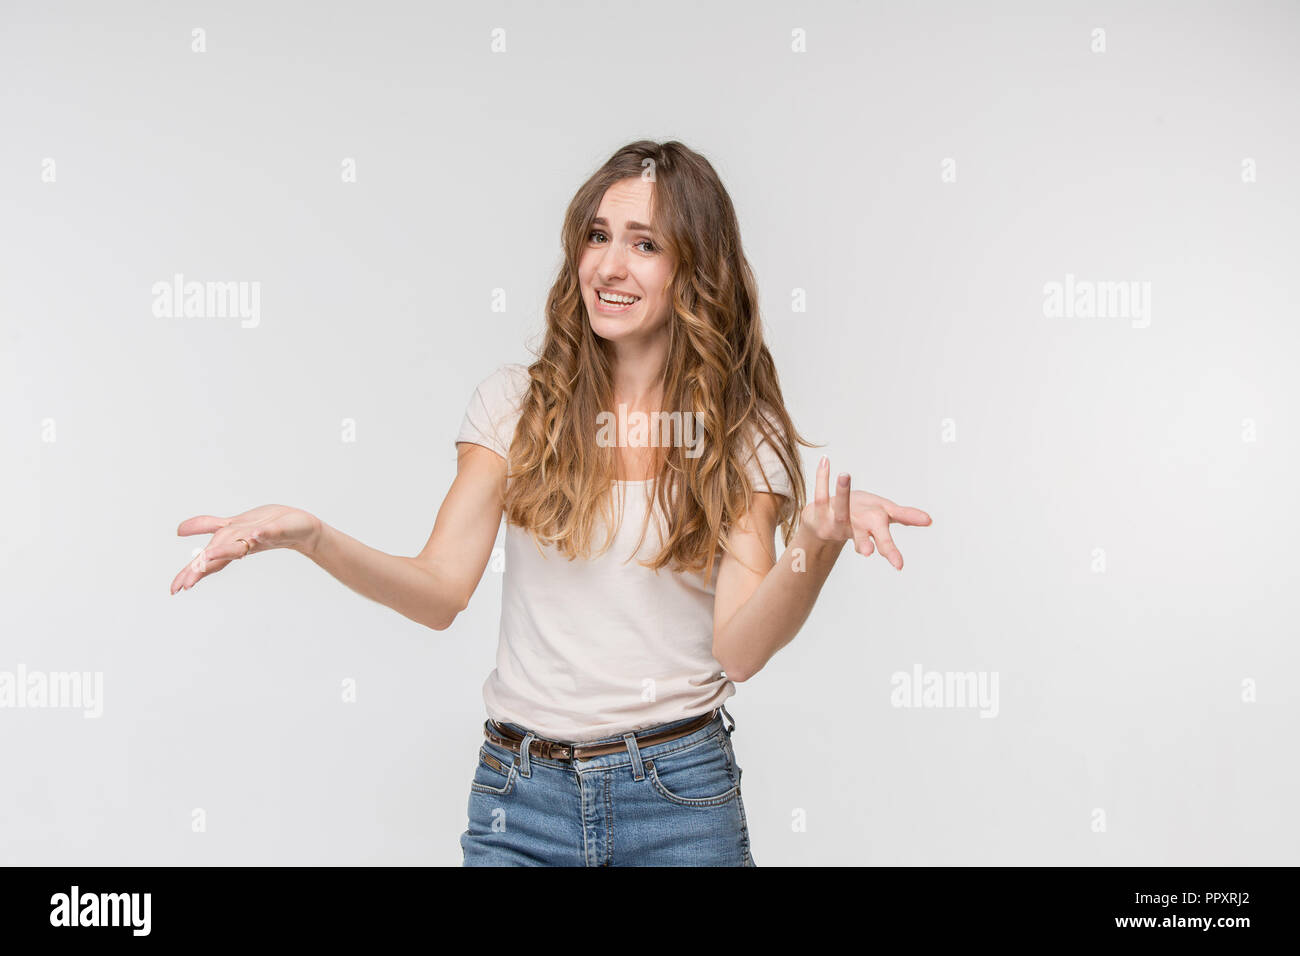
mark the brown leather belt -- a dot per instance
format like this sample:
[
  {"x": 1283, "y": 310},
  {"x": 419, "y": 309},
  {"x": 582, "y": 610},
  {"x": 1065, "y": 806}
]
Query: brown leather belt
[{"x": 555, "y": 750}]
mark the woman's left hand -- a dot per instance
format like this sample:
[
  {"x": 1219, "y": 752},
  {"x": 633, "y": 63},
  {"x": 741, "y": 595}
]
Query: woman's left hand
[{"x": 859, "y": 515}]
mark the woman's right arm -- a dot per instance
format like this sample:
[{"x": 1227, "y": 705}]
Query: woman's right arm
[
  {"x": 430, "y": 588},
  {"x": 435, "y": 585}
]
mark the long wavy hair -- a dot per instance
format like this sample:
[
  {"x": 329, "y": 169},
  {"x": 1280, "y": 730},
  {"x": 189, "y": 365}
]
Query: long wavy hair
[{"x": 717, "y": 368}]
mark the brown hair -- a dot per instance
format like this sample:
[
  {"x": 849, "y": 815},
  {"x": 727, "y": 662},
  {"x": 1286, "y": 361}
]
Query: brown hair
[{"x": 717, "y": 368}]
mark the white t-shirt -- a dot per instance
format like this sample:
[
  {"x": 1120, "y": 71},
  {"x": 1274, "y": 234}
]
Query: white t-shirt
[{"x": 600, "y": 647}]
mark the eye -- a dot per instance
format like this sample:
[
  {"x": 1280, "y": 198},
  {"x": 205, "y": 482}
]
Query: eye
[{"x": 644, "y": 242}]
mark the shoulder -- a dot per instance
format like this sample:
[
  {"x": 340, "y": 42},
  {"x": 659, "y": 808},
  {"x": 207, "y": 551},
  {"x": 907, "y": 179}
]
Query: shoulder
[
  {"x": 762, "y": 432},
  {"x": 494, "y": 410},
  {"x": 512, "y": 376},
  {"x": 765, "y": 440},
  {"x": 503, "y": 389}
]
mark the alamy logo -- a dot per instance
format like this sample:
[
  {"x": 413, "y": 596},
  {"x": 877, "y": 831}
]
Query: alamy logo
[
  {"x": 672, "y": 430},
  {"x": 179, "y": 299},
  {"x": 102, "y": 909},
  {"x": 949, "y": 689},
  {"x": 1085, "y": 299},
  {"x": 60, "y": 689}
]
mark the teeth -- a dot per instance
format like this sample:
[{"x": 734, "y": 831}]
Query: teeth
[{"x": 617, "y": 299}]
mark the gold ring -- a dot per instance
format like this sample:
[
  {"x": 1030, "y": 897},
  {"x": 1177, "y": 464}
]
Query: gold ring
[{"x": 248, "y": 547}]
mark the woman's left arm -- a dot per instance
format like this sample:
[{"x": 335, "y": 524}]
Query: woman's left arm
[{"x": 760, "y": 608}]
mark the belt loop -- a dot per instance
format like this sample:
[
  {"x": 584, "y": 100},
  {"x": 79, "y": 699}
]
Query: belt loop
[
  {"x": 638, "y": 772},
  {"x": 524, "y": 749},
  {"x": 730, "y": 718}
]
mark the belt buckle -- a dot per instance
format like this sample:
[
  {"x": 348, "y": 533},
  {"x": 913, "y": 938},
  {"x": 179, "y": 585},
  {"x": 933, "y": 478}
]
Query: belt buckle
[{"x": 546, "y": 749}]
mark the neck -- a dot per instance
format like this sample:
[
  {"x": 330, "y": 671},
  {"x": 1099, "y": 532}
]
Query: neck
[{"x": 637, "y": 382}]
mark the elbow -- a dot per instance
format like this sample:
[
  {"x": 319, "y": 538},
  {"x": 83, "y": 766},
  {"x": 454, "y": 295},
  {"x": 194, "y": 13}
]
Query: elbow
[
  {"x": 449, "y": 613},
  {"x": 735, "y": 673},
  {"x": 741, "y": 671},
  {"x": 449, "y": 618},
  {"x": 731, "y": 668}
]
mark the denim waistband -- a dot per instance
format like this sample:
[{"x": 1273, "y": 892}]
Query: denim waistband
[{"x": 632, "y": 752}]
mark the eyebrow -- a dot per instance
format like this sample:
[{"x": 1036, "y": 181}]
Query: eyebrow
[{"x": 631, "y": 224}]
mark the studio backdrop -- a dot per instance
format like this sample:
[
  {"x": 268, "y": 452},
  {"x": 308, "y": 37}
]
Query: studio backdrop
[{"x": 1030, "y": 267}]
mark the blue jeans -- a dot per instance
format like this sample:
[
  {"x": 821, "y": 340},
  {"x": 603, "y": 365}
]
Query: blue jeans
[{"x": 675, "y": 803}]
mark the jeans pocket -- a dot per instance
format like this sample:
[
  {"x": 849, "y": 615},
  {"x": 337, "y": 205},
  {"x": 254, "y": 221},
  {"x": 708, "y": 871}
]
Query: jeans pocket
[
  {"x": 698, "y": 776},
  {"x": 492, "y": 774}
]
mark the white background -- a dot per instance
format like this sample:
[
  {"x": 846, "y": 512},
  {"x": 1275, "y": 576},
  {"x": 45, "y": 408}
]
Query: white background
[{"x": 1120, "y": 691}]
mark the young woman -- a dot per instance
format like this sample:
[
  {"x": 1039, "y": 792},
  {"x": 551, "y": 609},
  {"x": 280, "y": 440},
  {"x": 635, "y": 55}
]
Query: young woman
[{"x": 642, "y": 464}]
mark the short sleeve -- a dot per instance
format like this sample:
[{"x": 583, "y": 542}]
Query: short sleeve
[
  {"x": 765, "y": 468},
  {"x": 494, "y": 408}
]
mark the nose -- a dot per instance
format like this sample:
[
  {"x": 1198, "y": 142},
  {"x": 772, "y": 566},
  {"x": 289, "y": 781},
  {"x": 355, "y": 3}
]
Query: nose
[{"x": 612, "y": 264}]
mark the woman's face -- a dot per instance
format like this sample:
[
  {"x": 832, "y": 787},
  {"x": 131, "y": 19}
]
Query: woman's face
[{"x": 620, "y": 257}]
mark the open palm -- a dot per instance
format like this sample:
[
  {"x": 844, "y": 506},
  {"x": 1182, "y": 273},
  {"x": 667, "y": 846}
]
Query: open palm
[
  {"x": 859, "y": 515},
  {"x": 262, "y": 529}
]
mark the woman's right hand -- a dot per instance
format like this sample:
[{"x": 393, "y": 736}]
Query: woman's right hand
[{"x": 263, "y": 528}]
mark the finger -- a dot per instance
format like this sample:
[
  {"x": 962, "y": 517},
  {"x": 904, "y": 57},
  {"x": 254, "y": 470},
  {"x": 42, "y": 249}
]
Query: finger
[
  {"x": 821, "y": 494},
  {"x": 186, "y": 576},
  {"x": 193, "y": 571},
  {"x": 842, "y": 498},
  {"x": 861, "y": 535},
  {"x": 905, "y": 515},
  {"x": 220, "y": 551},
  {"x": 201, "y": 524},
  {"x": 885, "y": 544},
  {"x": 230, "y": 545}
]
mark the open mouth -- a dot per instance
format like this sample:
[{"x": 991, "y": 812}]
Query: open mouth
[{"x": 616, "y": 302}]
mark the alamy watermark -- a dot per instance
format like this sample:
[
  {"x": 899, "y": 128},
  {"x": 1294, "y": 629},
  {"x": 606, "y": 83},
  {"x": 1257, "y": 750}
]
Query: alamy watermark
[
  {"x": 946, "y": 689},
  {"x": 102, "y": 909},
  {"x": 654, "y": 429},
  {"x": 1085, "y": 299},
  {"x": 73, "y": 690},
  {"x": 179, "y": 299}
]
